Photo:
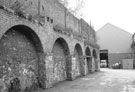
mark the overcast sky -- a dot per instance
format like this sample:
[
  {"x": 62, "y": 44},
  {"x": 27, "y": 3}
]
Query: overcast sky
[{"x": 120, "y": 13}]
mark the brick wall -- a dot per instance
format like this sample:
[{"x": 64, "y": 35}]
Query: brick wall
[
  {"x": 87, "y": 31},
  {"x": 72, "y": 22},
  {"x": 43, "y": 38},
  {"x": 56, "y": 11},
  {"x": 18, "y": 61},
  {"x": 118, "y": 57},
  {"x": 84, "y": 29},
  {"x": 27, "y": 6},
  {"x": 59, "y": 59}
]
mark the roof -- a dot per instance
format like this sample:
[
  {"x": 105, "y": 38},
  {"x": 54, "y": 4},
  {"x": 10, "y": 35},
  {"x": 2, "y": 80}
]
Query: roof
[{"x": 115, "y": 39}]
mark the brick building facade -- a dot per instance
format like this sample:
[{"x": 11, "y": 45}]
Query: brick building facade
[
  {"x": 133, "y": 49},
  {"x": 42, "y": 44}
]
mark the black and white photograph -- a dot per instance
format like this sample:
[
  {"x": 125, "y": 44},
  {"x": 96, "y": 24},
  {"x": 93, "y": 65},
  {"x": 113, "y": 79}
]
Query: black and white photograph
[{"x": 67, "y": 45}]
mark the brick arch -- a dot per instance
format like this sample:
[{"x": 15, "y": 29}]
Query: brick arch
[
  {"x": 64, "y": 43},
  {"x": 87, "y": 51},
  {"x": 79, "y": 48},
  {"x": 78, "y": 54},
  {"x": 95, "y": 59},
  {"x": 61, "y": 62},
  {"x": 26, "y": 35},
  {"x": 94, "y": 53},
  {"x": 30, "y": 34},
  {"x": 13, "y": 23}
]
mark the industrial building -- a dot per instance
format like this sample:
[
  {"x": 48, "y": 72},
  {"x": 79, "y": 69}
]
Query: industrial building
[{"x": 115, "y": 45}]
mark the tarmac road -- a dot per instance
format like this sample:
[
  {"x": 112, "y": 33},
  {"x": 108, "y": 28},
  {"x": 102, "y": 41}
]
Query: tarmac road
[{"x": 107, "y": 80}]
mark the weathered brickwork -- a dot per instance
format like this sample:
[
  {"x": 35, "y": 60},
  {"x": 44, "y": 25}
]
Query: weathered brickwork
[
  {"x": 42, "y": 44},
  {"x": 18, "y": 61},
  {"x": 59, "y": 58}
]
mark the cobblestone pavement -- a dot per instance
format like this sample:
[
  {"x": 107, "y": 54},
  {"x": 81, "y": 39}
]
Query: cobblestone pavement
[{"x": 107, "y": 80}]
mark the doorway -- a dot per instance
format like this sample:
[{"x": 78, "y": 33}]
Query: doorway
[{"x": 104, "y": 63}]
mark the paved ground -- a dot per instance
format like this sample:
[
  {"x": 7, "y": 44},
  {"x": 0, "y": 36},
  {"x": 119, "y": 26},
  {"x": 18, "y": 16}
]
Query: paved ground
[{"x": 107, "y": 80}]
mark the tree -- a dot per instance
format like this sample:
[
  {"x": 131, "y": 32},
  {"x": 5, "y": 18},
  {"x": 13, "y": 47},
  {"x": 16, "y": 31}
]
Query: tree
[{"x": 75, "y": 9}]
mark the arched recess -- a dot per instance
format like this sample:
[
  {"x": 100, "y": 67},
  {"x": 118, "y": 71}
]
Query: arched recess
[
  {"x": 20, "y": 49},
  {"x": 94, "y": 53},
  {"x": 60, "y": 57},
  {"x": 87, "y": 51},
  {"x": 95, "y": 59},
  {"x": 78, "y": 63},
  {"x": 88, "y": 59}
]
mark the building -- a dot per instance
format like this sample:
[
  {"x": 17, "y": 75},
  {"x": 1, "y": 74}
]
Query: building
[
  {"x": 115, "y": 44},
  {"x": 42, "y": 44},
  {"x": 133, "y": 49}
]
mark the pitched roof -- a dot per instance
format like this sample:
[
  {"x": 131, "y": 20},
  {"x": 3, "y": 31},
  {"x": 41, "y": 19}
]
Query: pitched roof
[{"x": 115, "y": 39}]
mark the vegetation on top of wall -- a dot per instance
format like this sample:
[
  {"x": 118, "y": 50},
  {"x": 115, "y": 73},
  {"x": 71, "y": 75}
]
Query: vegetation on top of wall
[{"x": 76, "y": 9}]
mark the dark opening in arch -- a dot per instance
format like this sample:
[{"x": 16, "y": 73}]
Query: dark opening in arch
[{"x": 87, "y": 51}]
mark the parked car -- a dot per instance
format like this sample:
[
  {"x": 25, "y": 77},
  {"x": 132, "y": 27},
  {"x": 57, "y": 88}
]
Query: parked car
[
  {"x": 116, "y": 66},
  {"x": 103, "y": 64}
]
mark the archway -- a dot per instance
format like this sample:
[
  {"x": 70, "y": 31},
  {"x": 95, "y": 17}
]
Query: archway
[
  {"x": 19, "y": 58},
  {"x": 94, "y": 54},
  {"x": 78, "y": 63},
  {"x": 60, "y": 53},
  {"x": 88, "y": 59},
  {"x": 95, "y": 59},
  {"x": 104, "y": 59}
]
